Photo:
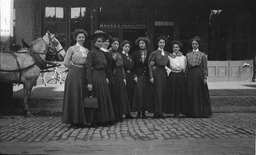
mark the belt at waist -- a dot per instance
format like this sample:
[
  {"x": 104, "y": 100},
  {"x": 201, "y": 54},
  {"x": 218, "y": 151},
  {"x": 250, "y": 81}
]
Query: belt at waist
[
  {"x": 174, "y": 71},
  {"x": 161, "y": 66},
  {"x": 103, "y": 69},
  {"x": 128, "y": 71},
  {"x": 195, "y": 66},
  {"x": 155, "y": 67},
  {"x": 78, "y": 65}
]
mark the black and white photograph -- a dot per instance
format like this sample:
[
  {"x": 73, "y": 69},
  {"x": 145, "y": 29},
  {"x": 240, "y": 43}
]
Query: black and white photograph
[{"x": 128, "y": 77}]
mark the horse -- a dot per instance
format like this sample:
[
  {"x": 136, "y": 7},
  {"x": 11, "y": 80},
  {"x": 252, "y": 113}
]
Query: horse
[{"x": 25, "y": 65}]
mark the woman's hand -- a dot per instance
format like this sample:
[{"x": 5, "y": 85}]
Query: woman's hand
[
  {"x": 152, "y": 80},
  {"x": 114, "y": 56},
  {"x": 125, "y": 82},
  {"x": 136, "y": 79},
  {"x": 89, "y": 87},
  {"x": 107, "y": 80},
  {"x": 205, "y": 81},
  {"x": 168, "y": 70}
]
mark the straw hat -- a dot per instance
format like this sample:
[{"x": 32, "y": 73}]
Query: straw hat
[{"x": 145, "y": 39}]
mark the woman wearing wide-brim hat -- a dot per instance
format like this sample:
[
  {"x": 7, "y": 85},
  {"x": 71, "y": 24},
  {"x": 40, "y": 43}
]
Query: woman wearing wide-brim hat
[
  {"x": 99, "y": 33},
  {"x": 97, "y": 83}
]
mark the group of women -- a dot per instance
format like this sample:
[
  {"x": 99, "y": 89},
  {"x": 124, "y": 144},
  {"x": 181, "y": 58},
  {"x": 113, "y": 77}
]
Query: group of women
[{"x": 142, "y": 81}]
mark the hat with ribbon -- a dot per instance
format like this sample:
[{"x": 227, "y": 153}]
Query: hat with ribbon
[{"x": 99, "y": 33}]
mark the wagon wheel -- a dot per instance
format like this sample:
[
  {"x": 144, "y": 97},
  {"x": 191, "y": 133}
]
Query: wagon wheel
[{"x": 52, "y": 78}]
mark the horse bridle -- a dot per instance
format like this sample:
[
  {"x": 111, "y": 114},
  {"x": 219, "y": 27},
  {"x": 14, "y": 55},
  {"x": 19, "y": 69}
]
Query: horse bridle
[
  {"x": 34, "y": 54},
  {"x": 54, "y": 44}
]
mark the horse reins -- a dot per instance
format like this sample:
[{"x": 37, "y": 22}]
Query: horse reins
[{"x": 35, "y": 55}]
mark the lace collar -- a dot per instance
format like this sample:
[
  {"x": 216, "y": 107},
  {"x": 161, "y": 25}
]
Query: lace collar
[
  {"x": 104, "y": 50},
  {"x": 195, "y": 50},
  {"x": 173, "y": 55},
  {"x": 125, "y": 53}
]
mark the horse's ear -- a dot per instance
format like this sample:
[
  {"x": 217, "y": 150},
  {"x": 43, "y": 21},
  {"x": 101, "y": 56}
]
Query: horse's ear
[{"x": 48, "y": 33}]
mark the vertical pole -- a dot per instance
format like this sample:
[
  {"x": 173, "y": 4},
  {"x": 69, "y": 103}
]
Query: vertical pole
[
  {"x": 150, "y": 23},
  {"x": 68, "y": 29}
]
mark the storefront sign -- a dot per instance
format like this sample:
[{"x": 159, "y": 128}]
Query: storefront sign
[
  {"x": 164, "y": 23},
  {"x": 122, "y": 26}
]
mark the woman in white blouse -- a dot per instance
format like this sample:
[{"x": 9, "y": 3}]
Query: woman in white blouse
[
  {"x": 176, "y": 97},
  {"x": 75, "y": 85}
]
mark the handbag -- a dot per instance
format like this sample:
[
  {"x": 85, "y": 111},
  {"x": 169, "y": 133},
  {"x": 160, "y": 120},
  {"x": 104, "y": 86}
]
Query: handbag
[{"x": 90, "y": 101}]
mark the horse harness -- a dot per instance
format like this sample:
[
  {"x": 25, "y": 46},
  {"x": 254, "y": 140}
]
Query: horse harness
[{"x": 41, "y": 63}]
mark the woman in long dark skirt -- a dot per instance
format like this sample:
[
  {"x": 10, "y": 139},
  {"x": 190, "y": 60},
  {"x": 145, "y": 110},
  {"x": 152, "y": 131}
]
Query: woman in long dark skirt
[
  {"x": 108, "y": 56},
  {"x": 74, "y": 92},
  {"x": 158, "y": 76},
  {"x": 141, "y": 97},
  {"x": 198, "y": 93},
  {"x": 97, "y": 83},
  {"x": 176, "y": 92},
  {"x": 128, "y": 65},
  {"x": 117, "y": 86}
]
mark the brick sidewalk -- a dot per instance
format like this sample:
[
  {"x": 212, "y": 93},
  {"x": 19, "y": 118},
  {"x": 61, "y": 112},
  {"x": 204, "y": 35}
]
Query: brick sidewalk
[
  {"x": 43, "y": 129},
  {"x": 221, "y": 127}
]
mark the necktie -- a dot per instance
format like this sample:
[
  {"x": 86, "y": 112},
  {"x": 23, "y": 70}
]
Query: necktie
[{"x": 162, "y": 52}]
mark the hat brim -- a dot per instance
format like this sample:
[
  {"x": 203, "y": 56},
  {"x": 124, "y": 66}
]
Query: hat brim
[
  {"x": 104, "y": 35},
  {"x": 146, "y": 40}
]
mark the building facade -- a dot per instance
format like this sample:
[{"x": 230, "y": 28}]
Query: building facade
[{"x": 227, "y": 28}]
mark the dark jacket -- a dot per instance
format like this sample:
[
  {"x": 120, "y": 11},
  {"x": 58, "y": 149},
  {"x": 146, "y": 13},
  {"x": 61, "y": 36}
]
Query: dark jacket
[{"x": 140, "y": 68}]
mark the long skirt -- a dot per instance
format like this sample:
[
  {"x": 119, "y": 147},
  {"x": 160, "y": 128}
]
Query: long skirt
[
  {"x": 198, "y": 94},
  {"x": 176, "y": 94},
  {"x": 73, "y": 111},
  {"x": 159, "y": 89},
  {"x": 104, "y": 113},
  {"x": 141, "y": 97},
  {"x": 130, "y": 87},
  {"x": 119, "y": 97}
]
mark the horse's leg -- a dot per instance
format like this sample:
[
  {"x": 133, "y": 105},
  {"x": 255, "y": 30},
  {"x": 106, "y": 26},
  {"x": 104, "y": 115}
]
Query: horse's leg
[{"x": 27, "y": 91}]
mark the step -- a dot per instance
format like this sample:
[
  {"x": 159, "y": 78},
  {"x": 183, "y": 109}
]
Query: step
[{"x": 225, "y": 97}]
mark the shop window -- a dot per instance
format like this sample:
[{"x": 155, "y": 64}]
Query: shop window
[
  {"x": 54, "y": 13},
  {"x": 240, "y": 50},
  {"x": 229, "y": 35},
  {"x": 122, "y": 11},
  {"x": 240, "y": 31},
  {"x": 217, "y": 35},
  {"x": 80, "y": 18},
  {"x": 163, "y": 25},
  {"x": 189, "y": 26},
  {"x": 54, "y": 22},
  {"x": 166, "y": 31}
]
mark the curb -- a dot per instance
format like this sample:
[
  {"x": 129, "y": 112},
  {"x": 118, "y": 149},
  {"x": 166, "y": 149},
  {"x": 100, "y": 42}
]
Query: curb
[{"x": 220, "y": 104}]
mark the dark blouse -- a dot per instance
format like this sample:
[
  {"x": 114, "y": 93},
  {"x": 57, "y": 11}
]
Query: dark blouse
[
  {"x": 197, "y": 59},
  {"x": 95, "y": 60},
  {"x": 108, "y": 69},
  {"x": 140, "y": 68},
  {"x": 157, "y": 59},
  {"x": 128, "y": 63},
  {"x": 117, "y": 63}
]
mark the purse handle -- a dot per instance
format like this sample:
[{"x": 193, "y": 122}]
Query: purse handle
[{"x": 90, "y": 94}]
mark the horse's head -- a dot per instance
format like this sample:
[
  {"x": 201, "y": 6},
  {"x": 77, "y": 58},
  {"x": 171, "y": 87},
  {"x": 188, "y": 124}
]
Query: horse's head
[{"x": 55, "y": 49}]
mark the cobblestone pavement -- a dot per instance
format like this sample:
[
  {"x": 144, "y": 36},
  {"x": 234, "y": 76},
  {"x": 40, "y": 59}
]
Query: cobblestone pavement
[{"x": 49, "y": 129}]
